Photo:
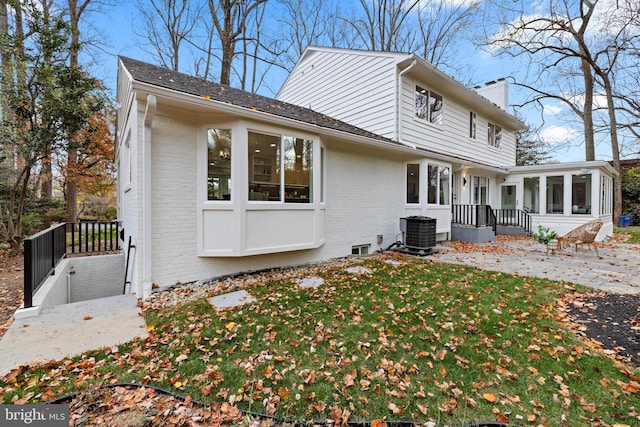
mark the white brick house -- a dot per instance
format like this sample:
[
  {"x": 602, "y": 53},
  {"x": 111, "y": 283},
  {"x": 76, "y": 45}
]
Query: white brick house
[{"x": 213, "y": 180}]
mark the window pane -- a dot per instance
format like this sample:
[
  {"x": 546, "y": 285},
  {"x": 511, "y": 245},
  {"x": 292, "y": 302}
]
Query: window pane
[
  {"x": 444, "y": 185},
  {"x": 581, "y": 194},
  {"x": 422, "y": 102},
  {"x": 435, "y": 108},
  {"x": 219, "y": 164},
  {"x": 555, "y": 194},
  {"x": 297, "y": 169},
  {"x": 480, "y": 190},
  {"x": 264, "y": 167},
  {"x": 472, "y": 125},
  {"x": 432, "y": 184},
  {"x": 531, "y": 195},
  {"x": 413, "y": 183}
]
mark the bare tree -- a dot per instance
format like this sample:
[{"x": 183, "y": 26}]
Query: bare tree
[
  {"x": 230, "y": 19},
  {"x": 383, "y": 28},
  {"x": 167, "y": 24},
  {"x": 567, "y": 33},
  {"x": 549, "y": 41},
  {"x": 442, "y": 23}
]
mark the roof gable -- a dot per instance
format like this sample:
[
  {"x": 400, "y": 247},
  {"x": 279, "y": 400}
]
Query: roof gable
[{"x": 168, "y": 79}]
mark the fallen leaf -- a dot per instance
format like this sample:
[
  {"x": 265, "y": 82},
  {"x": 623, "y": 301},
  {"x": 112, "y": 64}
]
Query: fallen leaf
[{"x": 489, "y": 397}]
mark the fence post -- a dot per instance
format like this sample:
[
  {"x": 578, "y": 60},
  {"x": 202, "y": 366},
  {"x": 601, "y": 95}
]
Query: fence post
[{"x": 28, "y": 273}]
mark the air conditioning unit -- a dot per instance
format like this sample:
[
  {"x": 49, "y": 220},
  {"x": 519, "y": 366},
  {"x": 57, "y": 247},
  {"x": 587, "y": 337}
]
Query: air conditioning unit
[{"x": 419, "y": 233}]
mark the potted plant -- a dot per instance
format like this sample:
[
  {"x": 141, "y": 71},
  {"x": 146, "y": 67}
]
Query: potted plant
[{"x": 544, "y": 235}]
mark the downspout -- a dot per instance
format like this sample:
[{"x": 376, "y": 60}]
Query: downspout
[
  {"x": 399, "y": 105},
  {"x": 146, "y": 287}
]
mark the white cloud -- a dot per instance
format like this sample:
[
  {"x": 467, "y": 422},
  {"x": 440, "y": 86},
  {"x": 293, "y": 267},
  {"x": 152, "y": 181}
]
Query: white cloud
[
  {"x": 552, "y": 110},
  {"x": 558, "y": 134},
  {"x": 599, "y": 100}
]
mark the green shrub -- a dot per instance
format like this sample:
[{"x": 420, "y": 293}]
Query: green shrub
[{"x": 631, "y": 195}]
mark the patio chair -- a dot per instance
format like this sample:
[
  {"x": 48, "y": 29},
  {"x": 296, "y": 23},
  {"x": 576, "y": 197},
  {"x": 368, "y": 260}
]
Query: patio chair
[{"x": 583, "y": 235}]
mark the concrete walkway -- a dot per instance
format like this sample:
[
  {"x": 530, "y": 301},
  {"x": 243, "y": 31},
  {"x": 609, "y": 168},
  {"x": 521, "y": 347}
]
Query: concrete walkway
[
  {"x": 71, "y": 329},
  {"x": 616, "y": 270}
]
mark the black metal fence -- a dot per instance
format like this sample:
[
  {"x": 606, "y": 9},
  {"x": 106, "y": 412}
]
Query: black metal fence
[
  {"x": 474, "y": 215},
  {"x": 43, "y": 251},
  {"x": 92, "y": 237},
  {"x": 513, "y": 217}
]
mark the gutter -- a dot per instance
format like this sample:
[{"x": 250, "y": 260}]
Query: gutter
[
  {"x": 399, "y": 102},
  {"x": 145, "y": 288}
]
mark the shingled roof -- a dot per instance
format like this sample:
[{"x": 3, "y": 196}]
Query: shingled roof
[{"x": 184, "y": 83}]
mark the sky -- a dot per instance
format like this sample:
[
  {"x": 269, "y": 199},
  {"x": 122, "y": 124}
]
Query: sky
[{"x": 117, "y": 25}]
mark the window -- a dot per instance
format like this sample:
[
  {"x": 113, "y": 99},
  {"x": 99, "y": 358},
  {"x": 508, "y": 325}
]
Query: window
[
  {"x": 322, "y": 175},
  {"x": 432, "y": 184},
  {"x": 480, "y": 190},
  {"x": 438, "y": 185},
  {"x": 494, "y": 137},
  {"x": 531, "y": 194},
  {"x": 429, "y": 106},
  {"x": 297, "y": 170},
  {"x": 360, "y": 250},
  {"x": 555, "y": 194},
  {"x": 472, "y": 125},
  {"x": 445, "y": 177},
  {"x": 219, "y": 164},
  {"x": 581, "y": 194},
  {"x": 606, "y": 199},
  {"x": 413, "y": 183},
  {"x": 268, "y": 156}
]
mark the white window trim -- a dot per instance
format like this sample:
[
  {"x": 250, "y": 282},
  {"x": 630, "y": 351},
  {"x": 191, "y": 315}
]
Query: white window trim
[
  {"x": 473, "y": 126},
  {"x": 427, "y": 120},
  {"x": 438, "y": 166},
  {"x": 493, "y": 142}
]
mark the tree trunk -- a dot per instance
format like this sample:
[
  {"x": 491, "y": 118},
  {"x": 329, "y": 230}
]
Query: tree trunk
[
  {"x": 71, "y": 183},
  {"x": 615, "y": 148},
  {"x": 46, "y": 177}
]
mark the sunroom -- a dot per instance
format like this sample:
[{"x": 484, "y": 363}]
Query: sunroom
[{"x": 563, "y": 196}]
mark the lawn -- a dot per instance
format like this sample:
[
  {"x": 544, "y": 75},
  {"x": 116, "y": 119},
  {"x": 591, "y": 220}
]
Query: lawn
[
  {"x": 399, "y": 339},
  {"x": 632, "y": 232}
]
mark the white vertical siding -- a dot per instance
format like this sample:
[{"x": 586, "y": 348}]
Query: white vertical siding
[
  {"x": 452, "y": 137},
  {"x": 358, "y": 88}
]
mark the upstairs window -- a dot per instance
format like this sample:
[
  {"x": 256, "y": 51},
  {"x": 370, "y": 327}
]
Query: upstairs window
[
  {"x": 472, "y": 125},
  {"x": 494, "y": 137},
  {"x": 429, "y": 106}
]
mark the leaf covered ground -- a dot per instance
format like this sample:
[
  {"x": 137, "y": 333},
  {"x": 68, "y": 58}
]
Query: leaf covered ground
[{"x": 395, "y": 338}]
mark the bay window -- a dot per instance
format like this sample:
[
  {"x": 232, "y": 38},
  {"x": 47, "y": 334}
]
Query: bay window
[{"x": 280, "y": 168}]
